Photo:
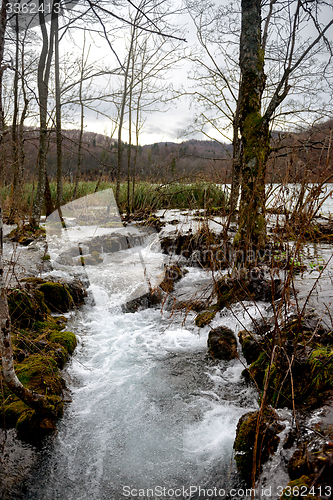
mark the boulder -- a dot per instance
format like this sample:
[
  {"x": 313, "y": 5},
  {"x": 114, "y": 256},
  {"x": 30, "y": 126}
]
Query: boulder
[
  {"x": 268, "y": 440},
  {"x": 204, "y": 318},
  {"x": 222, "y": 343},
  {"x": 250, "y": 343}
]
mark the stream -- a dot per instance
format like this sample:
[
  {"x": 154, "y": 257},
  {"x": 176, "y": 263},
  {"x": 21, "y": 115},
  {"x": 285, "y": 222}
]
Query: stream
[
  {"x": 151, "y": 415},
  {"x": 149, "y": 409}
]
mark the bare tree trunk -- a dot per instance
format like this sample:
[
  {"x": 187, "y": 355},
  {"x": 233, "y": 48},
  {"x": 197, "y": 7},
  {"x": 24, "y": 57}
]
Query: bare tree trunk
[
  {"x": 122, "y": 113},
  {"x": 3, "y": 22},
  {"x": 236, "y": 161},
  {"x": 129, "y": 151},
  {"x": 58, "y": 114},
  {"x": 254, "y": 131},
  {"x": 79, "y": 152},
  {"x": 15, "y": 147},
  {"x": 43, "y": 74}
]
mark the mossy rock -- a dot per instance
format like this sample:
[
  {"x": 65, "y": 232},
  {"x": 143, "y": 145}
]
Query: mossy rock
[
  {"x": 172, "y": 274},
  {"x": 26, "y": 307},
  {"x": 205, "y": 318},
  {"x": 245, "y": 437},
  {"x": 65, "y": 339},
  {"x": 257, "y": 370},
  {"x": 252, "y": 286},
  {"x": 312, "y": 378},
  {"x": 26, "y": 234},
  {"x": 45, "y": 326},
  {"x": 13, "y": 411},
  {"x": 33, "y": 425},
  {"x": 39, "y": 372},
  {"x": 298, "y": 488},
  {"x": 96, "y": 256},
  {"x": 251, "y": 347},
  {"x": 222, "y": 343},
  {"x": 25, "y": 422},
  {"x": 57, "y": 296}
]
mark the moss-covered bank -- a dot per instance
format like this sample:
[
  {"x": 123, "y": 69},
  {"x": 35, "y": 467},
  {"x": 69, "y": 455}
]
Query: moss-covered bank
[
  {"x": 41, "y": 347},
  {"x": 295, "y": 362}
]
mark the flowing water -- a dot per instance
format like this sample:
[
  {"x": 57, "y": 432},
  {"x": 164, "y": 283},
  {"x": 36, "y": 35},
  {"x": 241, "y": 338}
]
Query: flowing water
[
  {"x": 149, "y": 409},
  {"x": 151, "y": 415}
]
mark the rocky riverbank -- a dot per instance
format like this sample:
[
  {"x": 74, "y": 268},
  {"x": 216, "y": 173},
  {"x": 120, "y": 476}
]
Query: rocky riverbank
[{"x": 288, "y": 357}]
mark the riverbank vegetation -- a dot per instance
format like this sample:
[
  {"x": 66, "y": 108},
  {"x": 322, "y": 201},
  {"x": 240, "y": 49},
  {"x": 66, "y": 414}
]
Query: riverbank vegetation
[
  {"x": 147, "y": 197},
  {"x": 41, "y": 346}
]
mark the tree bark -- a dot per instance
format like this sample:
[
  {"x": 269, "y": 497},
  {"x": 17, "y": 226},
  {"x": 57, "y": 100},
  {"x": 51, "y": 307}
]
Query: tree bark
[
  {"x": 15, "y": 146},
  {"x": 43, "y": 75},
  {"x": 122, "y": 114},
  {"x": 3, "y": 22},
  {"x": 254, "y": 132},
  {"x": 236, "y": 161},
  {"x": 79, "y": 151},
  {"x": 58, "y": 113}
]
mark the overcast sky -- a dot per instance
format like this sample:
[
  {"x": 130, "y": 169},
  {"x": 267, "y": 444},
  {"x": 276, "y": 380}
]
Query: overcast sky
[
  {"x": 164, "y": 125},
  {"x": 167, "y": 122}
]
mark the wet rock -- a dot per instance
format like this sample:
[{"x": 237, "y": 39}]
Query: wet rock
[
  {"x": 77, "y": 291},
  {"x": 203, "y": 248},
  {"x": 172, "y": 275},
  {"x": 196, "y": 305},
  {"x": 268, "y": 440},
  {"x": 251, "y": 347},
  {"x": 57, "y": 296},
  {"x": 205, "y": 318},
  {"x": 145, "y": 301},
  {"x": 155, "y": 296},
  {"x": 253, "y": 285},
  {"x": 222, "y": 343},
  {"x": 299, "y": 464}
]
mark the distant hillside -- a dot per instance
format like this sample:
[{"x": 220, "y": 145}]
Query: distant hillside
[{"x": 294, "y": 156}]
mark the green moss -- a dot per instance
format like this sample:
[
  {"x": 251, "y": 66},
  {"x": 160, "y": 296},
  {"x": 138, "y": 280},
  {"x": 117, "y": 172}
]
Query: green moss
[
  {"x": 40, "y": 373},
  {"x": 245, "y": 438},
  {"x": 298, "y": 488},
  {"x": 39, "y": 348},
  {"x": 27, "y": 307},
  {"x": 57, "y": 296},
  {"x": 13, "y": 410},
  {"x": 45, "y": 326},
  {"x": 204, "y": 318},
  {"x": 40, "y": 298},
  {"x": 321, "y": 363},
  {"x": 64, "y": 338},
  {"x": 258, "y": 368}
]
